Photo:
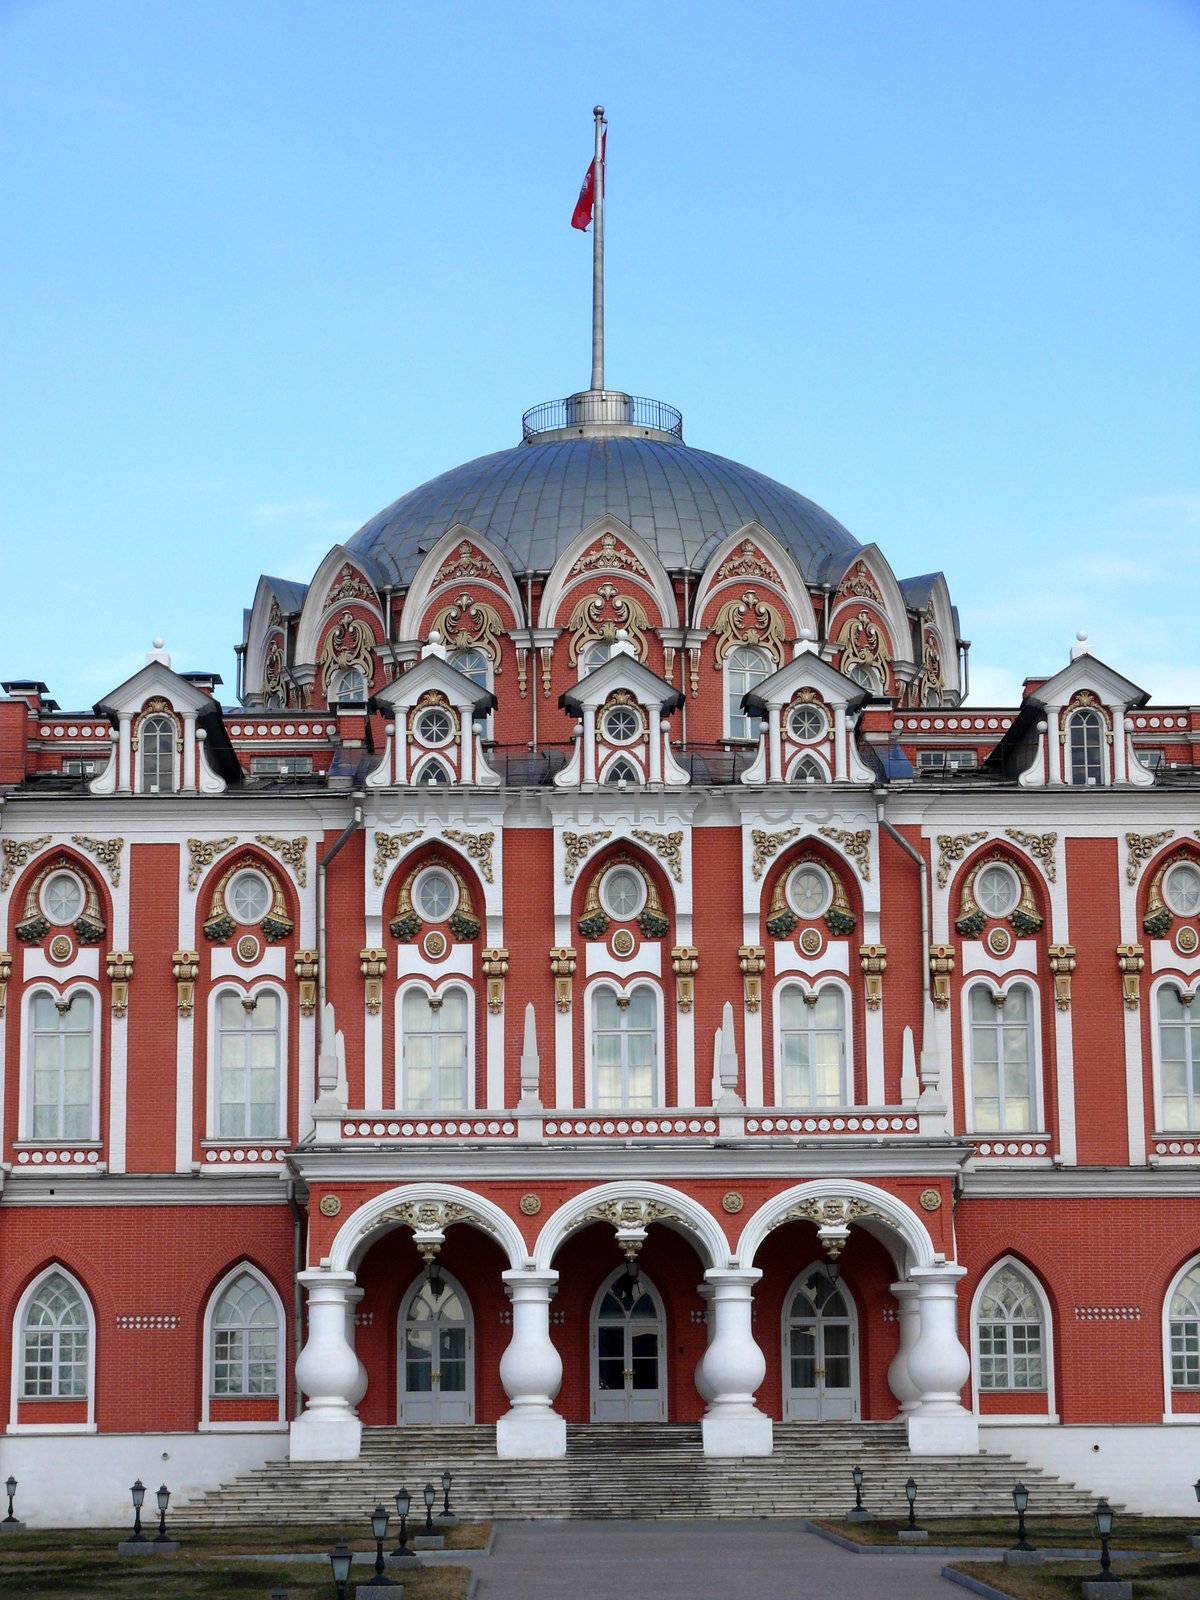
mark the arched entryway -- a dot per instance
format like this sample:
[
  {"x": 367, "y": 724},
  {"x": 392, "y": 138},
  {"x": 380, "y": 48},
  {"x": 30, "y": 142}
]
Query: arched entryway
[
  {"x": 435, "y": 1346},
  {"x": 820, "y": 1350},
  {"x": 628, "y": 1350}
]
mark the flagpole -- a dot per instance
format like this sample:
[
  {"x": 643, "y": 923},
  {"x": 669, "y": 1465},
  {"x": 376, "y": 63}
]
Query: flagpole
[{"x": 598, "y": 255}]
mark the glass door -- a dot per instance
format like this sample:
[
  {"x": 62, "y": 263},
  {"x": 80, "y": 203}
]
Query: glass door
[
  {"x": 628, "y": 1353},
  {"x": 820, "y": 1351},
  {"x": 436, "y": 1344}
]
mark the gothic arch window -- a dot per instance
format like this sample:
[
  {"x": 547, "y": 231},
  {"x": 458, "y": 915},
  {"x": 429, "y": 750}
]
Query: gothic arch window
[
  {"x": 244, "y": 1328},
  {"x": 746, "y": 666},
  {"x": 54, "y": 1356},
  {"x": 621, "y": 770},
  {"x": 157, "y": 736},
  {"x": 1085, "y": 748},
  {"x": 62, "y": 1052},
  {"x": 811, "y": 1052},
  {"x": 1183, "y": 1329},
  {"x": 433, "y": 774},
  {"x": 626, "y": 1046},
  {"x": 1002, "y": 1055},
  {"x": 435, "y": 1049},
  {"x": 866, "y": 676},
  {"x": 247, "y": 1057},
  {"x": 473, "y": 664},
  {"x": 808, "y": 768},
  {"x": 1178, "y": 1042},
  {"x": 1011, "y": 1332}
]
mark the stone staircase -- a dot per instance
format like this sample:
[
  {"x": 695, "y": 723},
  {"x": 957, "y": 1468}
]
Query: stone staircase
[{"x": 640, "y": 1470}]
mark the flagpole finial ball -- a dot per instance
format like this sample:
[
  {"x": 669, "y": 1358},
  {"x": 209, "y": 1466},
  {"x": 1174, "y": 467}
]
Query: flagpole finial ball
[{"x": 597, "y": 111}]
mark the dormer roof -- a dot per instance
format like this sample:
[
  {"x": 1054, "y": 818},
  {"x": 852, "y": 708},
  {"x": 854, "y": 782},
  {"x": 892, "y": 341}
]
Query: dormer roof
[
  {"x": 435, "y": 672},
  {"x": 621, "y": 671},
  {"x": 804, "y": 671}
]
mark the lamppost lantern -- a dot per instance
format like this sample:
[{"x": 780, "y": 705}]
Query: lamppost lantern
[
  {"x": 379, "y": 1528},
  {"x": 403, "y": 1503},
  {"x": 428, "y": 1495},
  {"x": 858, "y": 1512},
  {"x": 1104, "y": 1527},
  {"x": 833, "y": 1270},
  {"x": 379, "y": 1522},
  {"x": 163, "y": 1498},
  {"x": 1020, "y": 1497},
  {"x": 340, "y": 1559},
  {"x": 12, "y": 1484},
  {"x": 11, "y": 1487},
  {"x": 910, "y": 1493},
  {"x": 447, "y": 1480},
  {"x": 137, "y": 1492},
  {"x": 436, "y": 1282}
]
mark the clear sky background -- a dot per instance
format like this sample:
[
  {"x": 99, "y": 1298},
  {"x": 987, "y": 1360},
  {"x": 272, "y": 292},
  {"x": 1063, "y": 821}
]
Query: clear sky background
[{"x": 271, "y": 263}]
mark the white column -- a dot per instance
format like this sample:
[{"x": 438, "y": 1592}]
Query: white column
[
  {"x": 899, "y": 1382},
  {"x": 327, "y": 1370},
  {"x": 1120, "y": 767},
  {"x": 733, "y": 1368},
  {"x": 466, "y": 730},
  {"x": 1054, "y": 753},
  {"x": 939, "y": 1424},
  {"x": 840, "y": 759},
  {"x": 703, "y": 1388},
  {"x": 531, "y": 1372},
  {"x": 125, "y": 754},
  {"x": 589, "y": 744},
  {"x": 353, "y": 1298},
  {"x": 774, "y": 746},
  {"x": 654, "y": 751},
  {"x": 189, "y": 754}
]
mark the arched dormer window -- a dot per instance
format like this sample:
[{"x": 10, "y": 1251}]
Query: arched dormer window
[
  {"x": 433, "y": 774},
  {"x": 60, "y": 1087},
  {"x": 593, "y": 654},
  {"x": 1002, "y": 1059},
  {"x": 55, "y": 1338},
  {"x": 746, "y": 666},
  {"x": 621, "y": 770},
  {"x": 808, "y": 770},
  {"x": 350, "y": 687},
  {"x": 625, "y": 1048},
  {"x": 812, "y": 1046},
  {"x": 156, "y": 754},
  {"x": 472, "y": 664},
  {"x": 1010, "y": 1326},
  {"x": 1183, "y": 1329},
  {"x": 244, "y": 1340},
  {"x": 1085, "y": 747},
  {"x": 1179, "y": 1061},
  {"x": 435, "y": 1049}
]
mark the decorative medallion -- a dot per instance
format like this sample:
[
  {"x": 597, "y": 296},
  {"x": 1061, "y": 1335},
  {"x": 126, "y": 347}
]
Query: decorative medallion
[
  {"x": 668, "y": 846},
  {"x": 811, "y": 942},
  {"x": 856, "y": 844},
  {"x": 106, "y": 851},
  {"x": 931, "y": 1200},
  {"x": 349, "y": 643},
  {"x": 610, "y": 556},
  {"x": 478, "y": 846},
  {"x": 747, "y": 562},
  {"x": 247, "y": 948},
  {"x": 388, "y": 847},
  {"x": 623, "y": 943},
  {"x": 530, "y": 1204},
  {"x": 330, "y": 1205},
  {"x": 349, "y": 585},
  {"x": 576, "y": 847},
  {"x": 60, "y": 948},
  {"x": 435, "y": 944},
  {"x": 292, "y": 852},
  {"x": 999, "y": 941},
  {"x": 732, "y": 1202},
  {"x": 467, "y": 562},
  {"x": 750, "y": 621},
  {"x": 863, "y": 644},
  {"x": 1186, "y": 941},
  {"x": 953, "y": 847},
  {"x": 859, "y": 583}
]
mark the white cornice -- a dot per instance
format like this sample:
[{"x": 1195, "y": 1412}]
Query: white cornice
[
  {"x": 1082, "y": 1183},
  {"x": 165, "y": 1189}
]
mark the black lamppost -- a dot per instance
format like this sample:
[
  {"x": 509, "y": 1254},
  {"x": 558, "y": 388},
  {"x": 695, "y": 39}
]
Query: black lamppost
[
  {"x": 428, "y": 1495},
  {"x": 340, "y": 1559},
  {"x": 447, "y": 1515},
  {"x": 1193, "y": 1539},
  {"x": 857, "y": 1475},
  {"x": 403, "y": 1502},
  {"x": 1104, "y": 1527},
  {"x": 1020, "y": 1496},
  {"x": 164, "y": 1500},
  {"x": 379, "y": 1528},
  {"x": 11, "y": 1487},
  {"x": 910, "y": 1491},
  {"x": 138, "y": 1492}
]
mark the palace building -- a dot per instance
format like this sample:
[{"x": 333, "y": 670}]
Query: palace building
[{"x": 599, "y": 969}]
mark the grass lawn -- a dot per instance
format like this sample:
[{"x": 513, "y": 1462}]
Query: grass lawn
[
  {"x": 1049, "y": 1533},
  {"x": 1177, "y": 1579},
  {"x": 285, "y": 1538}
]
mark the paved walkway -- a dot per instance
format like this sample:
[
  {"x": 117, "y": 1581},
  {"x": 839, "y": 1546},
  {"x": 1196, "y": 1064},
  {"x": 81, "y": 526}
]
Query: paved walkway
[{"x": 700, "y": 1560}]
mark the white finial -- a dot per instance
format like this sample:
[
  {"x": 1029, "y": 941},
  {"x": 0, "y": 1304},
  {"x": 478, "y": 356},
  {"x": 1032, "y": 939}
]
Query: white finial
[
  {"x": 434, "y": 647},
  {"x": 621, "y": 645},
  {"x": 805, "y": 637},
  {"x": 157, "y": 653},
  {"x": 1081, "y": 647}
]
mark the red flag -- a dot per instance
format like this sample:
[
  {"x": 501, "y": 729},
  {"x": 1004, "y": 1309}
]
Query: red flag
[{"x": 581, "y": 217}]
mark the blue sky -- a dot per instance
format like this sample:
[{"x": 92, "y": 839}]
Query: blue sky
[{"x": 269, "y": 265}]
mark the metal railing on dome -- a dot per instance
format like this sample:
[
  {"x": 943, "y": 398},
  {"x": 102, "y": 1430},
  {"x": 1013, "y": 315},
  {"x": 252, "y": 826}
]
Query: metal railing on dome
[{"x": 581, "y": 409}]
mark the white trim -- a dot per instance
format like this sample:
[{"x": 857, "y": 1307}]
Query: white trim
[
  {"x": 628, "y": 754},
  {"x": 207, "y": 1425},
  {"x": 726, "y": 716},
  {"x": 25, "y": 1098},
  {"x": 1050, "y": 1415},
  {"x": 143, "y": 717},
  {"x": 905, "y": 1226},
  {"x": 248, "y": 986},
  {"x": 785, "y": 1347},
  {"x": 17, "y": 1359},
  {"x": 626, "y": 986},
  {"x": 1106, "y": 774},
  {"x": 694, "y": 1219},
  {"x": 431, "y": 987},
  {"x": 993, "y": 985},
  {"x": 805, "y": 985},
  {"x": 360, "y": 1226},
  {"x": 401, "y": 1322},
  {"x": 1169, "y": 1412},
  {"x": 646, "y": 1286},
  {"x": 655, "y": 585},
  {"x": 808, "y": 752}
]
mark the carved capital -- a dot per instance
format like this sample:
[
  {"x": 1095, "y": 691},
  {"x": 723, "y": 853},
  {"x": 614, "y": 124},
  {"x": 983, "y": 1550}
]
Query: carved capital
[
  {"x": 941, "y": 965},
  {"x": 1131, "y": 959},
  {"x": 873, "y": 958},
  {"x": 119, "y": 967},
  {"x": 562, "y": 965},
  {"x": 5, "y": 975},
  {"x": 685, "y": 962},
  {"x": 752, "y": 959},
  {"x": 185, "y": 969},
  {"x": 306, "y": 967},
  {"x": 1062, "y": 965},
  {"x": 495, "y": 969},
  {"x": 373, "y": 964}
]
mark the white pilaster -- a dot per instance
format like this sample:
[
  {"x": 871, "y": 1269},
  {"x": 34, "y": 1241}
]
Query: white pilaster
[
  {"x": 373, "y": 1061},
  {"x": 531, "y": 1372},
  {"x": 564, "y": 1061},
  {"x": 774, "y": 746},
  {"x": 589, "y": 744},
  {"x": 495, "y": 1060}
]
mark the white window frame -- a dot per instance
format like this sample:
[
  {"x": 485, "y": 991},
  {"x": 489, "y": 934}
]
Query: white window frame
[
  {"x": 726, "y": 691},
  {"x": 804, "y": 754},
  {"x": 436, "y": 758},
  {"x": 1105, "y": 765},
  {"x": 1156, "y": 988},
  {"x": 1169, "y": 1413},
  {"x": 581, "y": 668},
  {"x": 207, "y": 1425},
  {"x": 336, "y": 696},
  {"x": 244, "y": 992},
  {"x": 624, "y": 756},
  {"x": 17, "y": 1359},
  {"x": 635, "y": 981},
  {"x": 430, "y": 990},
  {"x": 827, "y": 980},
  {"x": 489, "y": 682},
  {"x": 25, "y": 1096},
  {"x": 1037, "y": 1106},
  {"x": 1007, "y": 1418},
  {"x": 152, "y": 716}
]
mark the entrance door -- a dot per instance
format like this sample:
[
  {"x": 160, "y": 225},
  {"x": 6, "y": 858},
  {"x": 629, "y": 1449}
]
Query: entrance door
[
  {"x": 629, "y": 1380},
  {"x": 436, "y": 1344},
  {"x": 820, "y": 1351}
]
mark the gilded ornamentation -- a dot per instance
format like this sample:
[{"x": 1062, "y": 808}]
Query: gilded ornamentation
[
  {"x": 471, "y": 625},
  {"x": 248, "y": 948},
  {"x": 429, "y": 1220},
  {"x": 747, "y": 561},
  {"x": 1041, "y": 847},
  {"x": 292, "y": 852},
  {"x": 752, "y": 959},
  {"x": 631, "y": 1216},
  {"x": 856, "y": 844},
  {"x": 859, "y": 583},
  {"x": 1084, "y": 700},
  {"x": 522, "y": 671},
  {"x": 1024, "y": 918},
  {"x": 576, "y": 847},
  {"x": 562, "y": 965},
  {"x": 1159, "y": 917},
  {"x": 953, "y": 847},
  {"x": 5, "y": 977},
  {"x": 685, "y": 962},
  {"x": 1062, "y": 965},
  {"x": 608, "y": 555},
  {"x": 930, "y": 686},
  {"x": 931, "y": 1200},
  {"x": 156, "y": 705},
  {"x": 478, "y": 847},
  {"x": 1131, "y": 959},
  {"x": 782, "y": 921},
  {"x": 33, "y": 926},
  {"x": 203, "y": 852},
  {"x": 588, "y": 622},
  {"x": 219, "y": 924},
  {"x": 1139, "y": 848},
  {"x": 118, "y": 966},
  {"x": 305, "y": 963},
  {"x": 862, "y": 643},
  {"x": 185, "y": 969},
  {"x": 373, "y": 965},
  {"x": 349, "y": 585},
  {"x": 873, "y": 958},
  {"x": 17, "y": 854},
  {"x": 941, "y": 965},
  {"x": 349, "y": 643},
  {"x": 467, "y": 562},
  {"x": 832, "y": 1215},
  {"x": 388, "y": 847},
  {"x": 748, "y": 621},
  {"x": 767, "y": 847},
  {"x": 462, "y": 922},
  {"x": 667, "y": 846},
  {"x": 651, "y": 919},
  {"x": 494, "y": 963},
  {"x": 272, "y": 679},
  {"x": 106, "y": 851}
]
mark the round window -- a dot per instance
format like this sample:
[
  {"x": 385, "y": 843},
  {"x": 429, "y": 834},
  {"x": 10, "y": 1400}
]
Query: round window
[
  {"x": 997, "y": 891},
  {"x": 435, "y": 726},
  {"x": 63, "y": 898},
  {"x": 1181, "y": 889},
  {"x": 435, "y": 894},
  {"x": 248, "y": 897},
  {"x": 622, "y": 725},
  {"x": 809, "y": 891},
  {"x": 622, "y": 893},
  {"x": 807, "y": 724}
]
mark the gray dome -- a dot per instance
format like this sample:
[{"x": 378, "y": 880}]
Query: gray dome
[{"x": 531, "y": 501}]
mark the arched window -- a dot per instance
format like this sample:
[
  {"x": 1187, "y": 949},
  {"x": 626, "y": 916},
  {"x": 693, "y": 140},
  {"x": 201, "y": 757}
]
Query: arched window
[
  {"x": 1011, "y": 1333},
  {"x": 156, "y": 749},
  {"x": 351, "y": 686},
  {"x": 472, "y": 664},
  {"x": 247, "y": 1065},
  {"x": 1085, "y": 735},
  {"x": 433, "y": 774},
  {"x": 745, "y": 668},
  {"x": 1002, "y": 1060},
  {"x": 812, "y": 1047},
  {"x": 622, "y": 770},
  {"x": 594, "y": 654},
  {"x": 1179, "y": 1061},
  {"x": 1185, "y": 1331},
  {"x": 244, "y": 1334},
  {"x": 808, "y": 770},
  {"x": 865, "y": 676},
  {"x": 55, "y": 1330},
  {"x": 62, "y": 1048},
  {"x": 434, "y": 1029},
  {"x": 624, "y": 1049}
]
